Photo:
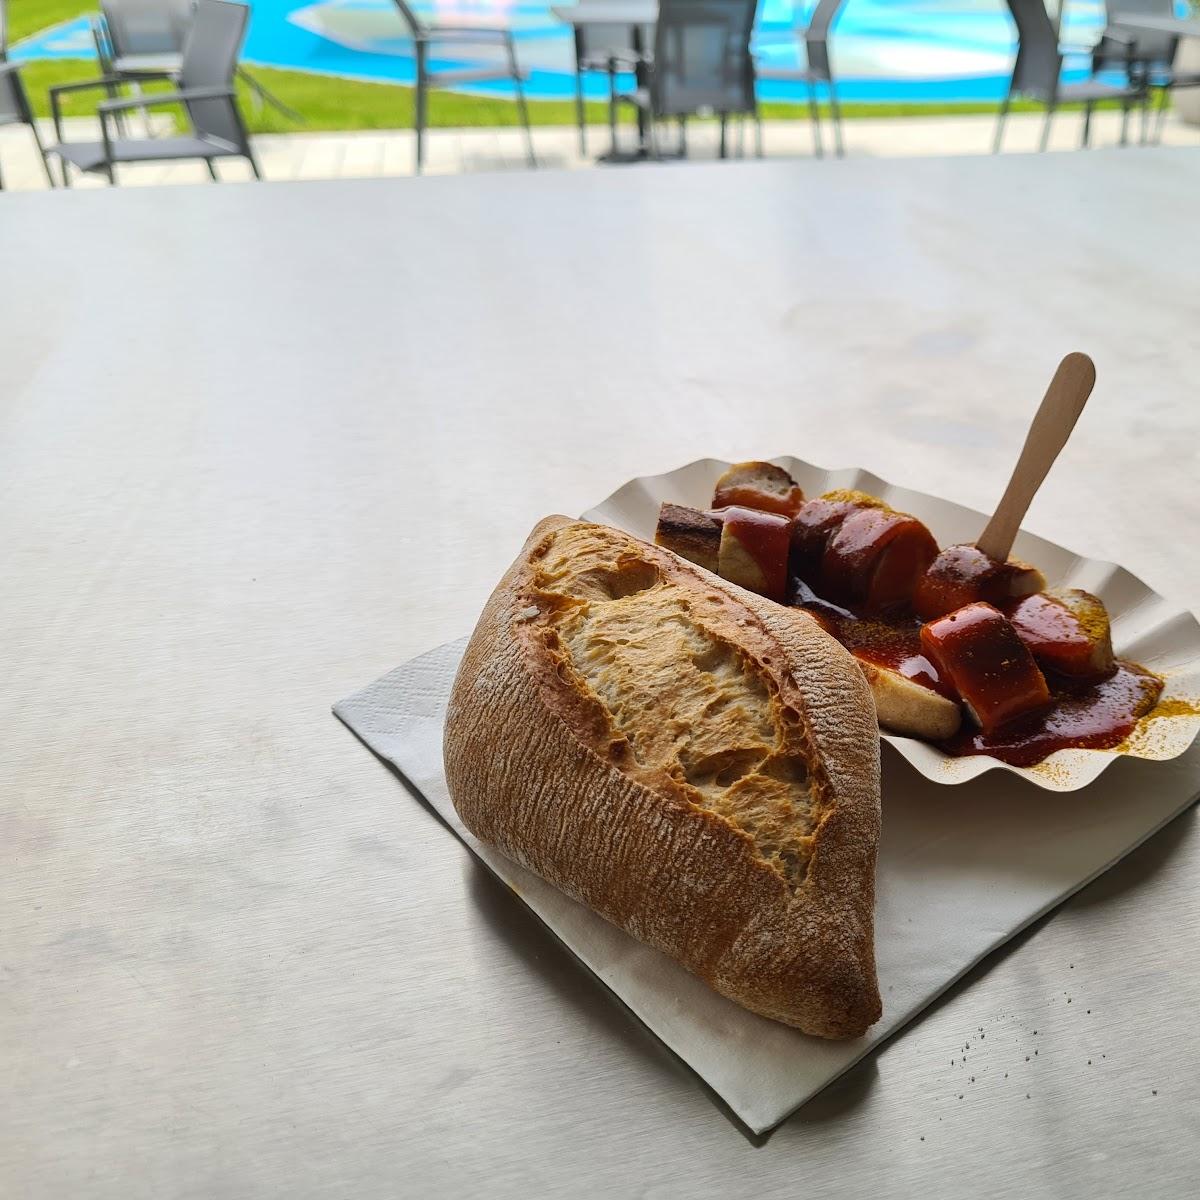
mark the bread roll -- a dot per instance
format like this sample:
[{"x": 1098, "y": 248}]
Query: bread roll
[{"x": 698, "y": 765}]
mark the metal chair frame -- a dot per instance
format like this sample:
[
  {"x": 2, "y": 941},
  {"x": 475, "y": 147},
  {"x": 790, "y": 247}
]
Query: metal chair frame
[
  {"x": 22, "y": 112},
  {"x": 112, "y": 149},
  {"x": 1152, "y": 56},
  {"x": 119, "y": 56},
  {"x": 652, "y": 95},
  {"x": 818, "y": 69},
  {"x": 1037, "y": 73},
  {"x": 425, "y": 35}
]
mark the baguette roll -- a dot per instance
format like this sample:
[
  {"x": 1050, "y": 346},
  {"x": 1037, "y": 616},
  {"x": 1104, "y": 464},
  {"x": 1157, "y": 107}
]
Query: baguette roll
[{"x": 694, "y": 763}]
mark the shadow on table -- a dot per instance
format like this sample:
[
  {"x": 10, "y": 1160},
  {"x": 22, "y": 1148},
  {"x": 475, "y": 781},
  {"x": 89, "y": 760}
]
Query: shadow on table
[
  {"x": 575, "y": 984},
  {"x": 1139, "y": 867}
]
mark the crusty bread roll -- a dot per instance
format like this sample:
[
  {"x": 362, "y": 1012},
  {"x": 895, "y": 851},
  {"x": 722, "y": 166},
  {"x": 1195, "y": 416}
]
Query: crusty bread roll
[{"x": 696, "y": 764}]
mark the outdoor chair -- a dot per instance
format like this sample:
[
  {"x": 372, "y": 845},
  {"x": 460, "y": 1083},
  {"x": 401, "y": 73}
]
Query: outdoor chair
[
  {"x": 137, "y": 40},
  {"x": 609, "y": 48},
  {"x": 818, "y": 70},
  {"x": 424, "y": 36},
  {"x": 205, "y": 91},
  {"x": 1152, "y": 55},
  {"x": 1038, "y": 70},
  {"x": 700, "y": 66},
  {"x": 14, "y": 103}
]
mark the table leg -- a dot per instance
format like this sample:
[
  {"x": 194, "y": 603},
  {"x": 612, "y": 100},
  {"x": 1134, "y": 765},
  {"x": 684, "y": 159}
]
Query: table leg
[
  {"x": 643, "y": 150},
  {"x": 640, "y": 50}
]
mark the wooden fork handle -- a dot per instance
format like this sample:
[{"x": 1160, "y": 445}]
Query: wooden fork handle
[{"x": 1067, "y": 394}]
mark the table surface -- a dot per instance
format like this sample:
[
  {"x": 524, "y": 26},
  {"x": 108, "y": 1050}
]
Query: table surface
[
  {"x": 262, "y": 443},
  {"x": 601, "y": 12},
  {"x": 1181, "y": 26}
]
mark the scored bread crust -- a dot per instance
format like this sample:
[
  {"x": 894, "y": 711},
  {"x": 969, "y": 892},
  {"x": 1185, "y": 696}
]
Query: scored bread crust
[{"x": 535, "y": 768}]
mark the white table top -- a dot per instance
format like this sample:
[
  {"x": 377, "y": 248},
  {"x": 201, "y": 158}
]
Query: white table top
[
  {"x": 261, "y": 443},
  {"x": 1179, "y": 26},
  {"x": 608, "y": 12}
]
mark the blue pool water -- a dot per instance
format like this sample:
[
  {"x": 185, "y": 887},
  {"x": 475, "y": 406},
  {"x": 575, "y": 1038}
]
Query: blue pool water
[{"x": 883, "y": 50}]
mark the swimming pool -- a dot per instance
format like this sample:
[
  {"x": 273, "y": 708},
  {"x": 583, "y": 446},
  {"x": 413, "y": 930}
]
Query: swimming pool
[{"x": 883, "y": 50}]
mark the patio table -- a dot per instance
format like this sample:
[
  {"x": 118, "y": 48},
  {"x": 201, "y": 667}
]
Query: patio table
[
  {"x": 238, "y": 958},
  {"x": 637, "y": 14},
  {"x": 1178, "y": 26}
]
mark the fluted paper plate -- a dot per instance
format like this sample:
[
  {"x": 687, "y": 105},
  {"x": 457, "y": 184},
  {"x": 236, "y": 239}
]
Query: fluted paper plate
[{"x": 1145, "y": 627}]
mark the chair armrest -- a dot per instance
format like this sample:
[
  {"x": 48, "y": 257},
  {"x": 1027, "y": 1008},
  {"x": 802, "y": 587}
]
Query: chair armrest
[
  {"x": 82, "y": 85},
  {"x": 157, "y": 99},
  {"x": 110, "y": 107},
  {"x": 1119, "y": 40},
  {"x": 465, "y": 33}
]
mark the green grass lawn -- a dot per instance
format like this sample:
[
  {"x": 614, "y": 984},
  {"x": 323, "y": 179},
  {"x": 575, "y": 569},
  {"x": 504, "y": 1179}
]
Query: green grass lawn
[
  {"x": 26, "y": 17},
  {"x": 329, "y": 103},
  {"x": 332, "y": 104}
]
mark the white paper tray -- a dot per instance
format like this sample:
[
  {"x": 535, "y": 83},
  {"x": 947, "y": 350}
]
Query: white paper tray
[
  {"x": 1146, "y": 628},
  {"x": 961, "y": 870}
]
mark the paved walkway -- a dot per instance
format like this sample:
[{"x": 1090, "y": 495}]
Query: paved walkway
[{"x": 452, "y": 151}]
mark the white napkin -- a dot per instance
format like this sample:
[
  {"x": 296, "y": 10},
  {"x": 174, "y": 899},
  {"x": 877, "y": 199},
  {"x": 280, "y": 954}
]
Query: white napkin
[{"x": 961, "y": 870}]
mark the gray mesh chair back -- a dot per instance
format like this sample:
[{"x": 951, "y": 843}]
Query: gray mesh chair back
[
  {"x": 1038, "y": 62},
  {"x": 702, "y": 57},
  {"x": 137, "y": 27},
  {"x": 816, "y": 36},
  {"x": 3, "y": 30},
  {"x": 210, "y": 58}
]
